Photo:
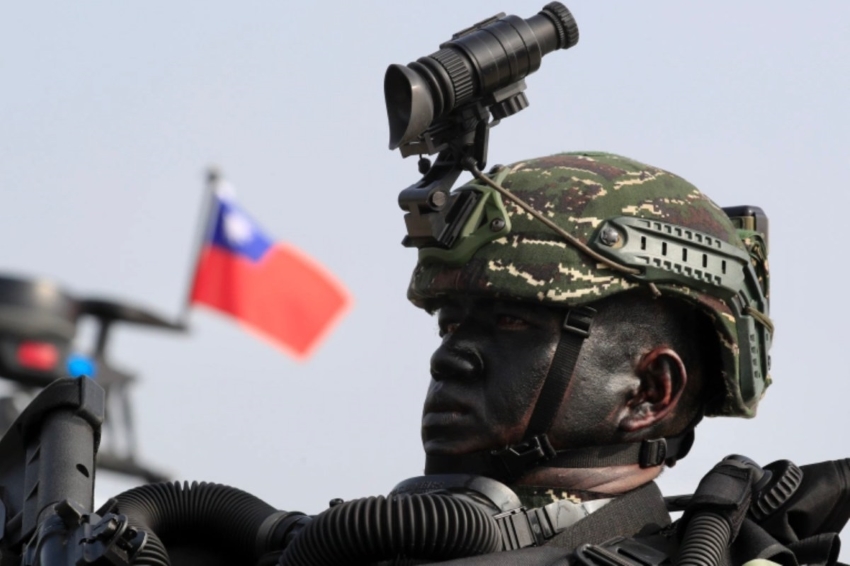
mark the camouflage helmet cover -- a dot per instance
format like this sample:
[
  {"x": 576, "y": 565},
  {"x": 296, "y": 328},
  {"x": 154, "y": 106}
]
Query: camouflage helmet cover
[{"x": 581, "y": 192}]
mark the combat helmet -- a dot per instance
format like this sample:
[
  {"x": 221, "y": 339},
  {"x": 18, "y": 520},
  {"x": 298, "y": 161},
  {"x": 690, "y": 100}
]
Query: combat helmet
[{"x": 573, "y": 228}]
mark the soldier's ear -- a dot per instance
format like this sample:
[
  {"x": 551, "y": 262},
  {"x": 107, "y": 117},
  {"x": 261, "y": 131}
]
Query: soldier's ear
[{"x": 662, "y": 378}]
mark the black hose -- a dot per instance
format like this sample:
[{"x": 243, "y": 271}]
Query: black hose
[
  {"x": 207, "y": 514},
  {"x": 365, "y": 531},
  {"x": 705, "y": 540}
]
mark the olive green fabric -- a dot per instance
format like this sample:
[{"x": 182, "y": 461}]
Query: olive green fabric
[{"x": 578, "y": 191}]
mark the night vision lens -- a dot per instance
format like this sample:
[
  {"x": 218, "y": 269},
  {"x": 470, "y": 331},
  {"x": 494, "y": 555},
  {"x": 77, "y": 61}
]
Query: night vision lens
[{"x": 474, "y": 64}]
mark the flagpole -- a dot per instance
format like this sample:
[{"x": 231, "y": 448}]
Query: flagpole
[{"x": 212, "y": 179}]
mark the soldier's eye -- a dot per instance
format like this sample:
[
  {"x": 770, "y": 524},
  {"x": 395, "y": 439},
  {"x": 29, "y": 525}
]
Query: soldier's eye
[{"x": 509, "y": 322}]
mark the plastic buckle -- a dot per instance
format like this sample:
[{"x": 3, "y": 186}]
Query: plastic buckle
[
  {"x": 517, "y": 529},
  {"x": 593, "y": 555},
  {"x": 518, "y": 458},
  {"x": 578, "y": 320},
  {"x": 620, "y": 551},
  {"x": 652, "y": 452}
]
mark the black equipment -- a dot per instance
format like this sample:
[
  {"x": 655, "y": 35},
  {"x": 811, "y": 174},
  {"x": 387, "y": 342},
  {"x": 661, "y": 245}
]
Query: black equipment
[
  {"x": 46, "y": 519},
  {"x": 443, "y": 103},
  {"x": 38, "y": 323}
]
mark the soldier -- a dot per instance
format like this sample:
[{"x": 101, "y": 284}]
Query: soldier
[
  {"x": 655, "y": 356},
  {"x": 577, "y": 358},
  {"x": 593, "y": 310}
]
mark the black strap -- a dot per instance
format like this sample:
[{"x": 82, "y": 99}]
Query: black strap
[
  {"x": 575, "y": 329},
  {"x": 754, "y": 542},
  {"x": 647, "y": 453},
  {"x": 639, "y": 511},
  {"x": 523, "y": 527},
  {"x": 510, "y": 463},
  {"x": 516, "y": 460}
]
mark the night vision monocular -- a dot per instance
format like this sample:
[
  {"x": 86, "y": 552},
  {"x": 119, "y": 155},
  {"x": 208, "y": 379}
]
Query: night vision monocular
[{"x": 446, "y": 103}]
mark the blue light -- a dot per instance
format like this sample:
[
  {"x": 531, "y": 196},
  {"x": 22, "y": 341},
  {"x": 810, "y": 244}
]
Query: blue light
[{"x": 79, "y": 366}]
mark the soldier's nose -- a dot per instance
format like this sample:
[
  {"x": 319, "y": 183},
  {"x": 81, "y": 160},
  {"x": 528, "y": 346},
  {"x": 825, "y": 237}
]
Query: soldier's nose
[{"x": 453, "y": 362}]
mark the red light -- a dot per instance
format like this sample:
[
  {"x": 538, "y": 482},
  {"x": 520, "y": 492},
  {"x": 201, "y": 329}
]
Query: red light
[{"x": 38, "y": 355}]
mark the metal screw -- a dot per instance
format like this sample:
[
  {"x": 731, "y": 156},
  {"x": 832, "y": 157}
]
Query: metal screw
[
  {"x": 497, "y": 225},
  {"x": 438, "y": 200},
  {"x": 609, "y": 236},
  {"x": 335, "y": 501}
]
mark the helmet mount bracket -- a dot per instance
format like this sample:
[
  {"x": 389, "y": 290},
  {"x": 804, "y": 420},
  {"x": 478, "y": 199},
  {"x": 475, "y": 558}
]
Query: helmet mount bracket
[{"x": 433, "y": 215}]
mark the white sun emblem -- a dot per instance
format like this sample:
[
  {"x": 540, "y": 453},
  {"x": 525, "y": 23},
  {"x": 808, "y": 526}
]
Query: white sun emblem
[{"x": 237, "y": 228}]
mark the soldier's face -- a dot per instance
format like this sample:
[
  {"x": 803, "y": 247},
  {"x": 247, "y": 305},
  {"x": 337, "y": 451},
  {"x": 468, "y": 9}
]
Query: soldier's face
[{"x": 486, "y": 374}]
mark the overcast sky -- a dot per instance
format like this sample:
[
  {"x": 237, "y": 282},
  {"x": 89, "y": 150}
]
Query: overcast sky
[{"x": 111, "y": 111}]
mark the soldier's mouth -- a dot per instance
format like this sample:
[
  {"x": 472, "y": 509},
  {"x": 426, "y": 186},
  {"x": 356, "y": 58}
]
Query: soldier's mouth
[
  {"x": 447, "y": 431},
  {"x": 443, "y": 408},
  {"x": 443, "y": 418},
  {"x": 443, "y": 414}
]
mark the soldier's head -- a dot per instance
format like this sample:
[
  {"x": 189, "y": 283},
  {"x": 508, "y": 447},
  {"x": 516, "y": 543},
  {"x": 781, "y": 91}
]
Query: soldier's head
[{"x": 601, "y": 351}]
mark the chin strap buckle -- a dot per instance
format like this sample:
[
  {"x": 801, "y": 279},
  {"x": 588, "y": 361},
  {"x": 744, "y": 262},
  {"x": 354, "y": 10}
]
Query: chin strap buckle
[
  {"x": 519, "y": 458},
  {"x": 652, "y": 453},
  {"x": 578, "y": 320}
]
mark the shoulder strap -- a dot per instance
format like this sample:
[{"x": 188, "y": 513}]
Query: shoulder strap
[{"x": 641, "y": 511}]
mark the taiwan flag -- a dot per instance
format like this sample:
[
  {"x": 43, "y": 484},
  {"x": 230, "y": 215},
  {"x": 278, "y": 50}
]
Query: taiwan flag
[{"x": 270, "y": 287}]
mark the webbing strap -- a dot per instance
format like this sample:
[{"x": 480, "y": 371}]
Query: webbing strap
[
  {"x": 535, "y": 448},
  {"x": 510, "y": 463},
  {"x": 639, "y": 511},
  {"x": 575, "y": 329},
  {"x": 523, "y": 527},
  {"x": 647, "y": 453}
]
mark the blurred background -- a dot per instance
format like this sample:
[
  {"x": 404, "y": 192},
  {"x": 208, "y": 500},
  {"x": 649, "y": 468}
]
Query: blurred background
[{"x": 110, "y": 113}]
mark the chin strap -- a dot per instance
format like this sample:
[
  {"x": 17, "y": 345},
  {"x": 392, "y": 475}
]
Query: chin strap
[
  {"x": 574, "y": 330},
  {"x": 512, "y": 462}
]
